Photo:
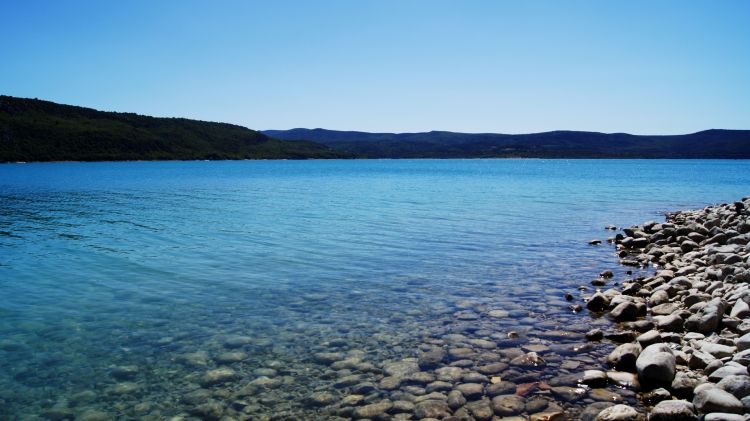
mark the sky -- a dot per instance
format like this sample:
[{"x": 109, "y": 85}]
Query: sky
[{"x": 645, "y": 67}]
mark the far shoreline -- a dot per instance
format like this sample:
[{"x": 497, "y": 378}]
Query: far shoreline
[{"x": 382, "y": 159}]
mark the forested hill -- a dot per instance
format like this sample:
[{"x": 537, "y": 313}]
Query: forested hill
[
  {"x": 35, "y": 130},
  {"x": 559, "y": 144}
]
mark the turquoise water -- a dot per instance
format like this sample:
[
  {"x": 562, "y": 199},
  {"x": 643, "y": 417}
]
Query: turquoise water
[{"x": 161, "y": 266}]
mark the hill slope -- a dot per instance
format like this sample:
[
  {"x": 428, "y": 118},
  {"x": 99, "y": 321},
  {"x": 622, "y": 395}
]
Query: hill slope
[
  {"x": 558, "y": 144},
  {"x": 34, "y": 130}
]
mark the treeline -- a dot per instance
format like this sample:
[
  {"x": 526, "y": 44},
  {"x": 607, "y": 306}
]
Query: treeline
[
  {"x": 35, "y": 130},
  {"x": 733, "y": 144}
]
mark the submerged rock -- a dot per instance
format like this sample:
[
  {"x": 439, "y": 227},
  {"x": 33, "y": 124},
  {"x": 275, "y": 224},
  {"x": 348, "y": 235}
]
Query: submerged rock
[
  {"x": 373, "y": 410},
  {"x": 530, "y": 359},
  {"x": 506, "y": 405},
  {"x": 431, "y": 409},
  {"x": 219, "y": 375}
]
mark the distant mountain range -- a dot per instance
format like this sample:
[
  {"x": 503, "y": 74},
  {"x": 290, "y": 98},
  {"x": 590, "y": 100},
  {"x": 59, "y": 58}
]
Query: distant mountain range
[
  {"x": 36, "y": 130},
  {"x": 734, "y": 144}
]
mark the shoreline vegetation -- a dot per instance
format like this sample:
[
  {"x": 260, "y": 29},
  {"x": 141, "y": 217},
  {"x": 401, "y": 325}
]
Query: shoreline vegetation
[
  {"x": 40, "y": 131},
  {"x": 33, "y": 130},
  {"x": 684, "y": 331}
]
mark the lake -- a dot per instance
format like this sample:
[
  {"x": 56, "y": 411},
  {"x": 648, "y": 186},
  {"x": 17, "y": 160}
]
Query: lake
[{"x": 292, "y": 289}]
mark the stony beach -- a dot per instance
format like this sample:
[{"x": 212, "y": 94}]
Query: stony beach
[
  {"x": 686, "y": 326},
  {"x": 661, "y": 336}
]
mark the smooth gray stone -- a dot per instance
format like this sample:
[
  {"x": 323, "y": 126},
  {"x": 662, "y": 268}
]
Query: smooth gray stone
[
  {"x": 726, "y": 371},
  {"x": 649, "y": 338},
  {"x": 656, "y": 365},
  {"x": 740, "y": 310},
  {"x": 624, "y": 357},
  {"x": 742, "y": 357},
  {"x": 743, "y": 342},
  {"x": 718, "y": 350},
  {"x": 737, "y": 385},
  {"x": 708, "y": 318},
  {"x": 714, "y": 399},
  {"x": 669, "y": 323},
  {"x": 624, "y": 312},
  {"x": 720, "y": 416},
  {"x": 618, "y": 413},
  {"x": 673, "y": 410},
  {"x": 685, "y": 382}
]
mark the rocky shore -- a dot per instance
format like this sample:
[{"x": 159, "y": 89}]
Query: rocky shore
[
  {"x": 681, "y": 338},
  {"x": 687, "y": 325}
]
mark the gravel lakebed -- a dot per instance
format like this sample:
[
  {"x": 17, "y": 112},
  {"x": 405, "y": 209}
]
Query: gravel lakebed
[{"x": 664, "y": 335}]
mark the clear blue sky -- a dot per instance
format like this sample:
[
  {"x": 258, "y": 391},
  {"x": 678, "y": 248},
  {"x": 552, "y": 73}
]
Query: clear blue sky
[{"x": 475, "y": 66}]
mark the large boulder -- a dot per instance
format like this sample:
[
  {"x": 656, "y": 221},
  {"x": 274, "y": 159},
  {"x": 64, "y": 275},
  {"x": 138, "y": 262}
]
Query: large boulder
[{"x": 656, "y": 365}]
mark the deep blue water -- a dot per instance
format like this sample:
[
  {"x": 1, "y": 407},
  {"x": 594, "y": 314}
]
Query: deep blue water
[{"x": 138, "y": 263}]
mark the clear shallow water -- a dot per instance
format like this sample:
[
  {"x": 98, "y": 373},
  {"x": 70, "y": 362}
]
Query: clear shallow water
[{"x": 158, "y": 265}]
